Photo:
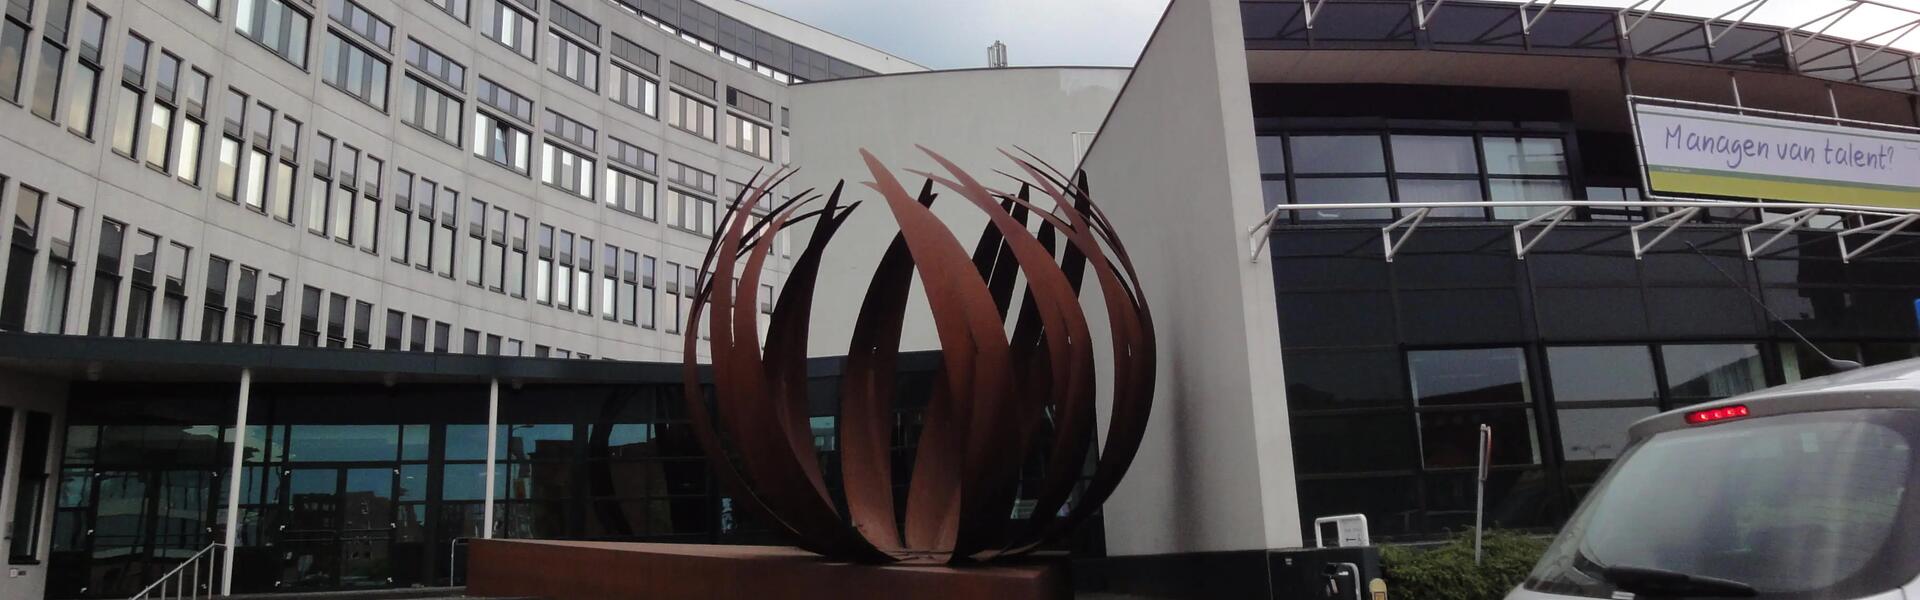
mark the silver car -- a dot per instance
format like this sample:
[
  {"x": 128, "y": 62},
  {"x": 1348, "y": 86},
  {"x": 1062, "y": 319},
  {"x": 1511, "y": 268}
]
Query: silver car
[{"x": 1797, "y": 492}]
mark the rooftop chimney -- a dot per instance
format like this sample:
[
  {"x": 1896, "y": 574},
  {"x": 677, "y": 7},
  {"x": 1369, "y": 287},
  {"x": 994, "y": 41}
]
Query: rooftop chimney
[{"x": 997, "y": 55}]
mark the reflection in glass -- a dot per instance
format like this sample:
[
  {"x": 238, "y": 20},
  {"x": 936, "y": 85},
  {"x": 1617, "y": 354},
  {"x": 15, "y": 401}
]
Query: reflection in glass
[
  {"x": 1273, "y": 157},
  {"x": 343, "y": 443},
  {"x": 1590, "y": 373},
  {"x": 1343, "y": 190},
  {"x": 1338, "y": 154},
  {"x": 1525, "y": 156},
  {"x": 1598, "y": 433},
  {"x": 1434, "y": 154},
  {"x": 1451, "y": 438},
  {"x": 1531, "y": 190},
  {"x": 1698, "y": 373},
  {"x": 1443, "y": 190},
  {"x": 1478, "y": 376}
]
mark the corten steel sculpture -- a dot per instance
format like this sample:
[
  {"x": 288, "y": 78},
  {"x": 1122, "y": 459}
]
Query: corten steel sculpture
[{"x": 997, "y": 402}]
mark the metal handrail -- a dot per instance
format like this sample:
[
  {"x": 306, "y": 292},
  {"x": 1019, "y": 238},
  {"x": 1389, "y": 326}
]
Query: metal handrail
[
  {"x": 186, "y": 583},
  {"x": 1893, "y": 219}
]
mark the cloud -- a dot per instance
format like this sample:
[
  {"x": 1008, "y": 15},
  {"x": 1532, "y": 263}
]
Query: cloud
[{"x": 956, "y": 34}]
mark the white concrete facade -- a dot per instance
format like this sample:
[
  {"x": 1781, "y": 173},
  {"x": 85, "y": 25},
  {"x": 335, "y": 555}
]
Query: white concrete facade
[
  {"x": 1174, "y": 167},
  {"x": 51, "y": 155},
  {"x": 968, "y": 116}
]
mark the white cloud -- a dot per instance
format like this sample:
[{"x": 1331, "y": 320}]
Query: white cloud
[{"x": 956, "y": 34}]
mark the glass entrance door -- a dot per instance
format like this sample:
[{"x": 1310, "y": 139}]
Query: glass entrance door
[{"x": 339, "y": 527}]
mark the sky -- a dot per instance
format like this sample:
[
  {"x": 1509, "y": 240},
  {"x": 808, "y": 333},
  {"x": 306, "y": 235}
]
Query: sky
[
  {"x": 951, "y": 34},
  {"x": 948, "y": 34}
]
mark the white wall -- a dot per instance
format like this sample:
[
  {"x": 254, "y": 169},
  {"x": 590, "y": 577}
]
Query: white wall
[
  {"x": 966, "y": 116},
  {"x": 22, "y": 394},
  {"x": 1175, "y": 169}
]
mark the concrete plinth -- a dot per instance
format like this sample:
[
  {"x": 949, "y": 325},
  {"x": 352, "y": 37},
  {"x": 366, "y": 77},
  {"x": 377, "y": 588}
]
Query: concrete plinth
[{"x": 556, "y": 570}]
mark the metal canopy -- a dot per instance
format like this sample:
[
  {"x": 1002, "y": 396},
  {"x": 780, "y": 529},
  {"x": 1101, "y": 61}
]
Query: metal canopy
[{"x": 1394, "y": 236}]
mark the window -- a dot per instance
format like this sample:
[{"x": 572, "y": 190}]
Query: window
[
  {"x": 473, "y": 245},
  {"x": 749, "y": 137},
  {"x": 689, "y": 115},
  {"x": 630, "y": 193},
  {"x": 417, "y": 342},
  {"x": 396, "y": 331},
  {"x": 310, "y": 298},
  {"x": 509, "y": 102},
  {"x": 629, "y": 295},
  {"x": 420, "y": 238},
  {"x": 689, "y": 286},
  {"x": 1703, "y": 372},
  {"x": 441, "y": 333},
  {"x": 563, "y": 274},
  {"x": 1340, "y": 169},
  {"x": 133, "y": 89},
  {"x": 1526, "y": 169},
  {"x": 331, "y": 214},
  {"x": 336, "y": 321},
  {"x": 1598, "y": 391},
  {"x": 496, "y": 260},
  {"x": 146, "y": 254},
  {"x": 436, "y": 65},
  {"x": 29, "y": 498},
  {"x": 53, "y": 59},
  {"x": 106, "y": 278},
  {"x": 457, "y": 8},
  {"x": 673, "y": 297},
  {"x": 362, "y": 22},
  {"x": 20, "y": 258},
  {"x": 543, "y": 271},
  {"x": 173, "y": 304},
  {"x": 516, "y": 263},
  {"x": 633, "y": 90},
  {"x": 563, "y": 168},
  {"x": 362, "y": 325},
  {"x": 192, "y": 128},
  {"x": 512, "y": 28},
  {"x": 1457, "y": 391},
  {"x": 610, "y": 283},
  {"x": 366, "y": 218},
  {"x": 350, "y": 68},
  {"x": 62, "y": 226},
  {"x": 211, "y": 7},
  {"x": 572, "y": 60},
  {"x": 320, "y": 190},
  {"x": 276, "y": 310},
  {"x": 1435, "y": 168},
  {"x": 400, "y": 226},
  {"x": 443, "y": 239},
  {"x": 430, "y": 109},
  {"x": 160, "y": 115},
  {"x": 583, "y": 276},
  {"x": 213, "y": 320},
  {"x": 690, "y": 213},
  {"x": 277, "y": 25},
  {"x": 227, "y": 173},
  {"x": 245, "y": 297},
  {"x": 13, "y": 48},
  {"x": 500, "y": 142},
  {"x": 470, "y": 341},
  {"x": 85, "y": 90}
]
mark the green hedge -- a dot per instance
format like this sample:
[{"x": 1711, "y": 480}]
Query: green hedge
[{"x": 1447, "y": 572}]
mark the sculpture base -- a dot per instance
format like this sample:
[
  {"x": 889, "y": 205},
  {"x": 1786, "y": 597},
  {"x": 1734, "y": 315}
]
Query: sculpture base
[{"x": 557, "y": 570}]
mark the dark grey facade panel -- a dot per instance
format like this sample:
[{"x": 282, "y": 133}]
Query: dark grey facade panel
[{"x": 746, "y": 40}]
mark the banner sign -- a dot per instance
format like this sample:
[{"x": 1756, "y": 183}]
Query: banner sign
[{"x": 1691, "y": 151}]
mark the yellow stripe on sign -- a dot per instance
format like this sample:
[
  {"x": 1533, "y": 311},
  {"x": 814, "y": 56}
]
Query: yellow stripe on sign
[{"x": 1719, "y": 185}]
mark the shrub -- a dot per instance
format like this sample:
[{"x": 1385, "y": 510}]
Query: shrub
[{"x": 1447, "y": 572}]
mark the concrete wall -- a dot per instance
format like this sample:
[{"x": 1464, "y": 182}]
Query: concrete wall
[
  {"x": 1175, "y": 168},
  {"x": 22, "y": 394},
  {"x": 966, "y": 116},
  {"x": 44, "y": 155}
]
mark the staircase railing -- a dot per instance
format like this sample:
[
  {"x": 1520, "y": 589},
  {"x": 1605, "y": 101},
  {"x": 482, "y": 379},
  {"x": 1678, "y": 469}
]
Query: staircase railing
[{"x": 196, "y": 577}]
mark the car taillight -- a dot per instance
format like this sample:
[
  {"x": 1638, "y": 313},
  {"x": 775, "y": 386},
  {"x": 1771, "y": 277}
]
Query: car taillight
[{"x": 1713, "y": 415}]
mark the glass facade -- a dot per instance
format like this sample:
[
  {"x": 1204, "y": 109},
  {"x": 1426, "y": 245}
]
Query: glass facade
[
  {"x": 1392, "y": 367},
  {"x": 350, "y": 486}
]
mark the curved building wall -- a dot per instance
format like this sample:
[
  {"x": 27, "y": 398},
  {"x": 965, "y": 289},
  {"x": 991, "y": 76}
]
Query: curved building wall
[{"x": 586, "y": 94}]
